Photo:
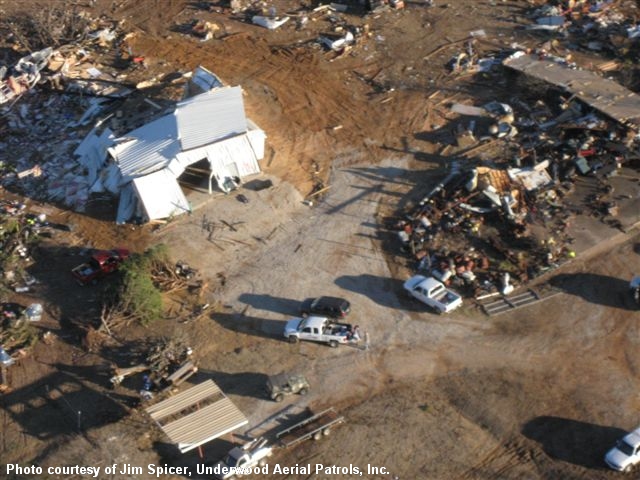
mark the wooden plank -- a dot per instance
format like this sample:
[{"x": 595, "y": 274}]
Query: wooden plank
[{"x": 513, "y": 302}]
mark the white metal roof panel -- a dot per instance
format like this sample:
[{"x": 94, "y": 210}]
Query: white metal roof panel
[
  {"x": 210, "y": 116},
  {"x": 192, "y": 429},
  {"x": 607, "y": 96},
  {"x": 161, "y": 195},
  {"x": 151, "y": 147},
  {"x": 233, "y": 151},
  {"x": 205, "y": 422},
  {"x": 237, "y": 151},
  {"x": 205, "y": 79},
  {"x": 184, "y": 399}
]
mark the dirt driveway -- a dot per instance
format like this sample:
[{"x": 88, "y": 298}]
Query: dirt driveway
[{"x": 539, "y": 393}]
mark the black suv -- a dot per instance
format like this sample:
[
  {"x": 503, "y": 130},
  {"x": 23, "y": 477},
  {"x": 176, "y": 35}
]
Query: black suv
[{"x": 333, "y": 307}]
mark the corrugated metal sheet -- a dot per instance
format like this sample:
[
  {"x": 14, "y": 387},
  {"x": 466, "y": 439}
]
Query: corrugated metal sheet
[
  {"x": 236, "y": 152},
  {"x": 205, "y": 80},
  {"x": 211, "y": 116},
  {"x": 190, "y": 430},
  {"x": 160, "y": 195},
  {"x": 209, "y": 421},
  {"x": 605, "y": 95},
  {"x": 127, "y": 204},
  {"x": 179, "y": 402},
  {"x": 152, "y": 147},
  {"x": 256, "y": 138}
]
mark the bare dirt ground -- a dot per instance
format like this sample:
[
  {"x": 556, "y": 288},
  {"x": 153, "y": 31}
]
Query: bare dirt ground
[{"x": 539, "y": 393}]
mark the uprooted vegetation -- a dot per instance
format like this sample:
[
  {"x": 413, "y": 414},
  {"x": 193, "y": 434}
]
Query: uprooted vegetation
[
  {"x": 52, "y": 25},
  {"x": 143, "y": 286}
]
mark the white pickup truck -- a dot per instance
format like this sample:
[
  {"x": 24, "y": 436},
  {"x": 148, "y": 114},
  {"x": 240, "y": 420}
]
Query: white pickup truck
[
  {"x": 254, "y": 453},
  {"x": 626, "y": 454},
  {"x": 320, "y": 329},
  {"x": 433, "y": 293}
]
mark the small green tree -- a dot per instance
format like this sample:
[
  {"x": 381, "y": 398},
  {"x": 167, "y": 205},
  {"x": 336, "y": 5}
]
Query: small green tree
[{"x": 136, "y": 297}]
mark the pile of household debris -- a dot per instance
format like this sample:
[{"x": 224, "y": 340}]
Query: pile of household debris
[
  {"x": 507, "y": 216},
  {"x": 167, "y": 364},
  {"x": 41, "y": 126},
  {"x": 594, "y": 26},
  {"x": 17, "y": 336},
  {"x": 19, "y": 231},
  {"x": 77, "y": 92}
]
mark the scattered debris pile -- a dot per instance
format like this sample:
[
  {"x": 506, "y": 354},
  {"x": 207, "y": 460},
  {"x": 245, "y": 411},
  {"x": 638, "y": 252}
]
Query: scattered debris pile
[
  {"x": 19, "y": 235},
  {"x": 93, "y": 77},
  {"x": 608, "y": 28},
  {"x": 477, "y": 229},
  {"x": 25, "y": 75},
  {"x": 167, "y": 363},
  {"x": 555, "y": 153},
  {"x": 148, "y": 288},
  {"x": 16, "y": 330}
]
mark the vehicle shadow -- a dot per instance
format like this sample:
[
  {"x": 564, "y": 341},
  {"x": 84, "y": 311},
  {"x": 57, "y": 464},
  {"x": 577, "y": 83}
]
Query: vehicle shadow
[
  {"x": 596, "y": 288},
  {"x": 387, "y": 292},
  {"x": 285, "y": 306},
  {"x": 242, "y": 323},
  {"x": 245, "y": 384},
  {"x": 573, "y": 441}
]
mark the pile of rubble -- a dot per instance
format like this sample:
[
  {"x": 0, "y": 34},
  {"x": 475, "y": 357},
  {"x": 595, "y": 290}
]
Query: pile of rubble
[
  {"x": 19, "y": 232},
  {"x": 554, "y": 153},
  {"x": 50, "y": 99},
  {"x": 592, "y": 26},
  {"x": 19, "y": 235}
]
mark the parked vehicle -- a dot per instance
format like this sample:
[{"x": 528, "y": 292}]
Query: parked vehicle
[
  {"x": 283, "y": 384},
  {"x": 634, "y": 287},
  {"x": 256, "y": 452},
  {"x": 320, "y": 329},
  {"x": 333, "y": 307},
  {"x": 101, "y": 264},
  {"x": 626, "y": 454},
  {"x": 433, "y": 293},
  {"x": 314, "y": 426},
  {"x": 249, "y": 455}
]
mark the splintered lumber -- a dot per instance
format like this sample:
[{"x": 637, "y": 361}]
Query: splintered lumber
[{"x": 318, "y": 192}]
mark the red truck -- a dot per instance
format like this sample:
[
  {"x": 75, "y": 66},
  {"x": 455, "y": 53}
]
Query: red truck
[{"x": 101, "y": 263}]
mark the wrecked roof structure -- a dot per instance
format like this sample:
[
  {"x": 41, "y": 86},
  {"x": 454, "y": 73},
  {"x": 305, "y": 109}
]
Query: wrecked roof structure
[
  {"x": 606, "y": 96},
  {"x": 144, "y": 166},
  {"x": 196, "y": 416}
]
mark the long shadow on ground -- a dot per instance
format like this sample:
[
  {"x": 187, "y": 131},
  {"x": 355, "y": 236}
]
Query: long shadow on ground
[
  {"x": 260, "y": 327},
  {"x": 246, "y": 384},
  {"x": 285, "y": 306},
  {"x": 384, "y": 291},
  {"x": 595, "y": 288},
  {"x": 573, "y": 441}
]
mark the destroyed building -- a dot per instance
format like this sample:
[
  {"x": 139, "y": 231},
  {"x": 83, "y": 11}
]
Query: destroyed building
[
  {"x": 566, "y": 150},
  {"x": 144, "y": 166}
]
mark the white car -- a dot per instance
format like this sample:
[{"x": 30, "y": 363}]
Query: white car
[
  {"x": 433, "y": 293},
  {"x": 626, "y": 454}
]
